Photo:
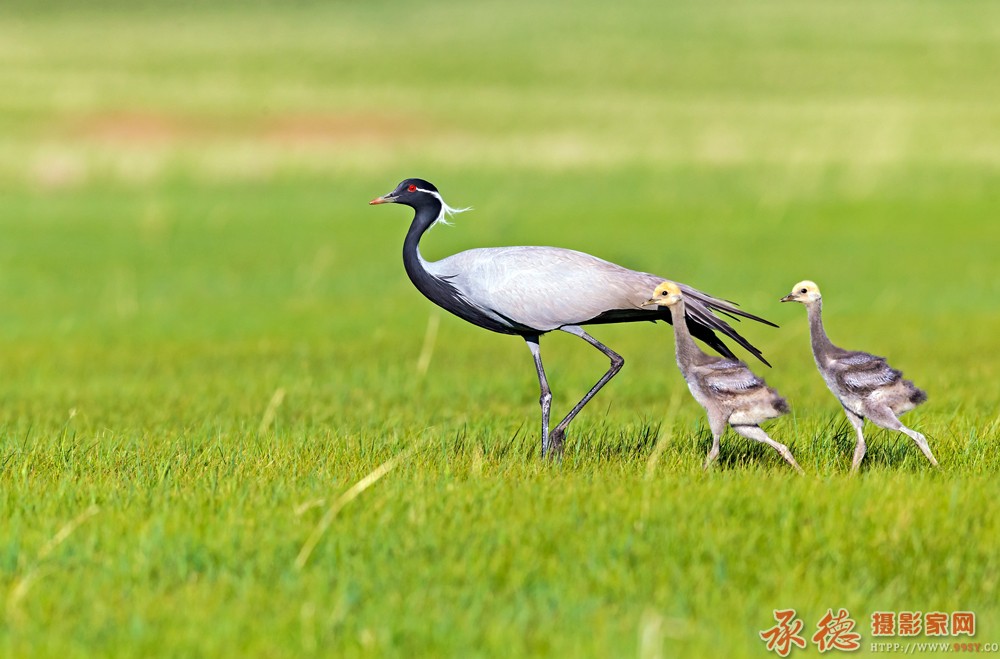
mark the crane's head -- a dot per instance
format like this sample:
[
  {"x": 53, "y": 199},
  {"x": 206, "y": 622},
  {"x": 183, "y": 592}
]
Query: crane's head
[
  {"x": 666, "y": 294},
  {"x": 418, "y": 193},
  {"x": 805, "y": 292},
  {"x": 411, "y": 192}
]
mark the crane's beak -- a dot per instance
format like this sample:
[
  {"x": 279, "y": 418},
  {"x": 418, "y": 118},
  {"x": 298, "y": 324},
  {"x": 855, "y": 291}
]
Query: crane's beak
[
  {"x": 387, "y": 199},
  {"x": 788, "y": 298}
]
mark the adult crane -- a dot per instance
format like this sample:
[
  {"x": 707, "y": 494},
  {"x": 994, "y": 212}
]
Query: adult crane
[{"x": 529, "y": 291}]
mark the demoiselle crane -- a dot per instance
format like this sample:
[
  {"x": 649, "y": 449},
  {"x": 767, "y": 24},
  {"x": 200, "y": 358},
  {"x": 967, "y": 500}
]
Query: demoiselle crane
[
  {"x": 727, "y": 388},
  {"x": 529, "y": 291},
  {"x": 866, "y": 386}
]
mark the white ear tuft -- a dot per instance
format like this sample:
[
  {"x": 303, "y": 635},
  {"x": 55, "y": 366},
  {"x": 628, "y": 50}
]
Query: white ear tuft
[{"x": 446, "y": 210}]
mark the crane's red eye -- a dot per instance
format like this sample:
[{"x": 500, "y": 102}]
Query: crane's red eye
[{"x": 411, "y": 188}]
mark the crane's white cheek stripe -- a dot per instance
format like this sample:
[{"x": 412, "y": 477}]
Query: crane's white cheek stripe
[{"x": 446, "y": 210}]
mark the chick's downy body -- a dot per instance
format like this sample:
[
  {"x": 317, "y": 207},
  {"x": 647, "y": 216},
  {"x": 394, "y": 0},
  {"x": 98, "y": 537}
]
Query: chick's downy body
[
  {"x": 865, "y": 384},
  {"x": 726, "y": 388}
]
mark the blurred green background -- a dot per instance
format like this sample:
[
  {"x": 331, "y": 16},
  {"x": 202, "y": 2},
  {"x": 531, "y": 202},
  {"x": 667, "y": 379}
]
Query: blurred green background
[{"x": 203, "y": 326}]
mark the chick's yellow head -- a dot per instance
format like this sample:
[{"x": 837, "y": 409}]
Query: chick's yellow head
[
  {"x": 804, "y": 291},
  {"x": 666, "y": 294}
]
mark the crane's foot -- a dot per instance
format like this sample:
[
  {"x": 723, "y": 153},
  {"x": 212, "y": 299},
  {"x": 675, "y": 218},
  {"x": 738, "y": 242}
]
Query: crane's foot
[{"x": 555, "y": 445}]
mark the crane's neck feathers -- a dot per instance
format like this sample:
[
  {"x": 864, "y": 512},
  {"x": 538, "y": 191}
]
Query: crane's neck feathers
[
  {"x": 426, "y": 216},
  {"x": 446, "y": 210},
  {"x": 437, "y": 285}
]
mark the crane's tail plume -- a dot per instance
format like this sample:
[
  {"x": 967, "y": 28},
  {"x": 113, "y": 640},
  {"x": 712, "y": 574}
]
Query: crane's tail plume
[
  {"x": 703, "y": 323},
  {"x": 725, "y": 307}
]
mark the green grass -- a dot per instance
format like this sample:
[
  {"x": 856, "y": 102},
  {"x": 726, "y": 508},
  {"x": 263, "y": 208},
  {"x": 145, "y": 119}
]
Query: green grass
[{"x": 207, "y": 336}]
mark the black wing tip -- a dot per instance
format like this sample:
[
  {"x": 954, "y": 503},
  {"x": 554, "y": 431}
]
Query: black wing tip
[
  {"x": 753, "y": 350},
  {"x": 708, "y": 335},
  {"x": 731, "y": 311},
  {"x": 762, "y": 321},
  {"x": 750, "y": 316},
  {"x": 749, "y": 347}
]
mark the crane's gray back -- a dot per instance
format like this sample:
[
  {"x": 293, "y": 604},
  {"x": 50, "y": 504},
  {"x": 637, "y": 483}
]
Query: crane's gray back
[{"x": 544, "y": 287}]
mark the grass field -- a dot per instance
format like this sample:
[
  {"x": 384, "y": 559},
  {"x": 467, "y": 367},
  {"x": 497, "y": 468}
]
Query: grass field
[{"x": 207, "y": 337}]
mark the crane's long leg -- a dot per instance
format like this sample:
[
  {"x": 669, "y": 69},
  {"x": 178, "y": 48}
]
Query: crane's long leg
[
  {"x": 546, "y": 394},
  {"x": 559, "y": 433},
  {"x": 883, "y": 416},
  {"x": 756, "y": 432},
  {"x": 859, "y": 451}
]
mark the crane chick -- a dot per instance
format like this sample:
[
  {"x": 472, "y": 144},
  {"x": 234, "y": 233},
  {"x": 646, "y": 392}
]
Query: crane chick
[
  {"x": 727, "y": 389},
  {"x": 866, "y": 386}
]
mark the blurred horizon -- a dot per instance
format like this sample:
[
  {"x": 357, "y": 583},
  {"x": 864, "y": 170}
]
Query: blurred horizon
[{"x": 136, "y": 94}]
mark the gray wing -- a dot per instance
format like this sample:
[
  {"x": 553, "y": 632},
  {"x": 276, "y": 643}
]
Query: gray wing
[
  {"x": 862, "y": 373},
  {"x": 545, "y": 288},
  {"x": 731, "y": 377}
]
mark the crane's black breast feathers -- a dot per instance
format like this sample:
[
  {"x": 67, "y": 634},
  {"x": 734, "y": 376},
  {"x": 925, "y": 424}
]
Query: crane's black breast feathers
[{"x": 443, "y": 293}]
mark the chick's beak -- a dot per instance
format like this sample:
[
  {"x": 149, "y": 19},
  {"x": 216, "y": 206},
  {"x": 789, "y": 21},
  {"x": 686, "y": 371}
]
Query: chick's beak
[
  {"x": 650, "y": 301},
  {"x": 386, "y": 199},
  {"x": 788, "y": 298}
]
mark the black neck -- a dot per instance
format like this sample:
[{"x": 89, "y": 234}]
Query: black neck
[
  {"x": 438, "y": 290},
  {"x": 424, "y": 217}
]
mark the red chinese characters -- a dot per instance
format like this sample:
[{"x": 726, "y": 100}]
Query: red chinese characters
[
  {"x": 884, "y": 623},
  {"x": 936, "y": 623},
  {"x": 909, "y": 623},
  {"x": 836, "y": 632},
  {"x": 781, "y": 637},
  {"x": 963, "y": 622}
]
